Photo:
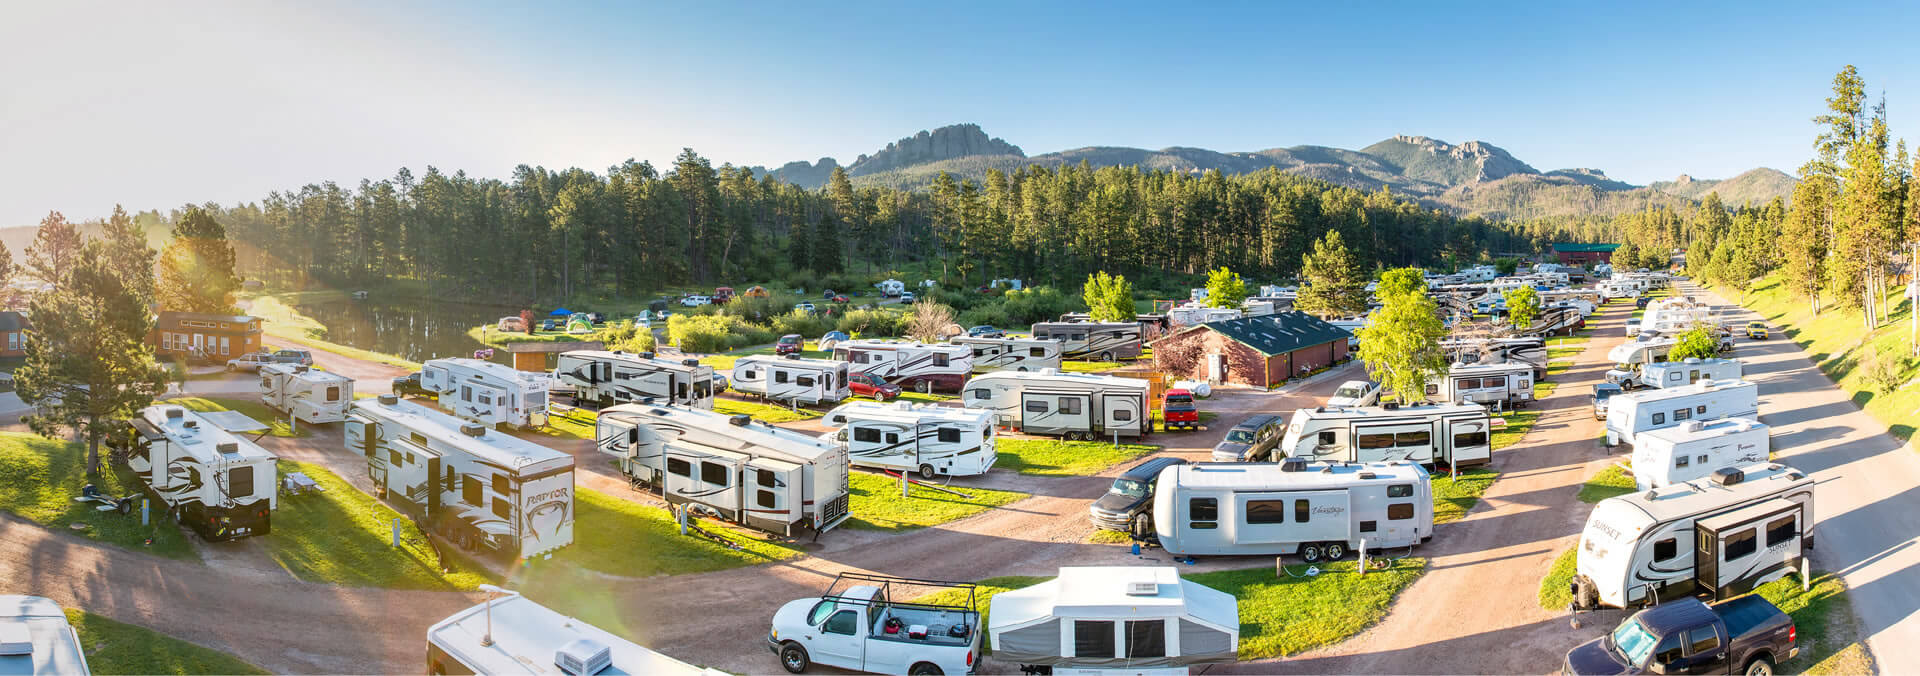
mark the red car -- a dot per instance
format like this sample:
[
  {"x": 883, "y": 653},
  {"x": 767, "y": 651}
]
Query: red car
[
  {"x": 865, "y": 385},
  {"x": 789, "y": 344},
  {"x": 1179, "y": 411}
]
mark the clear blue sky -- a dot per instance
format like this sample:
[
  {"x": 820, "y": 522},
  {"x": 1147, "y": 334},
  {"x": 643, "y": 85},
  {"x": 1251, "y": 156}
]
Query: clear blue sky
[{"x": 156, "y": 104}]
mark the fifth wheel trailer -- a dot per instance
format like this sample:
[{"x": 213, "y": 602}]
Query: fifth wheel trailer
[
  {"x": 603, "y": 378},
  {"x": 305, "y": 394},
  {"x": 1102, "y": 341},
  {"x": 924, "y": 367},
  {"x": 1457, "y": 435},
  {"x": 906, "y": 437},
  {"x": 487, "y": 392},
  {"x": 222, "y": 486},
  {"x": 1292, "y": 507},
  {"x": 1011, "y": 354},
  {"x": 1062, "y": 404},
  {"x": 748, "y": 472}
]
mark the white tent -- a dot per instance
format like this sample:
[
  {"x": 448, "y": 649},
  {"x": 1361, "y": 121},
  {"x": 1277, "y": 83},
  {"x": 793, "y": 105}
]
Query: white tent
[{"x": 1115, "y": 617}]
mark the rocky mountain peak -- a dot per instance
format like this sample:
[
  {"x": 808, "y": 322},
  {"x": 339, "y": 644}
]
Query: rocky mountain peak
[{"x": 960, "y": 140}]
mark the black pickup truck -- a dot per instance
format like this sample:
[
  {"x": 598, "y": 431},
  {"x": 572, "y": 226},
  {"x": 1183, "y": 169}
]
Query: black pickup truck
[{"x": 1745, "y": 635}]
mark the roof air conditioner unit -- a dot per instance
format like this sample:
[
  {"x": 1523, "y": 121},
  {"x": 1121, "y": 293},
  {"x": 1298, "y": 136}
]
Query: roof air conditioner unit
[
  {"x": 1728, "y": 476},
  {"x": 473, "y": 429},
  {"x": 740, "y": 420},
  {"x": 176, "y": 413},
  {"x": 1143, "y": 588},
  {"x": 583, "y": 656},
  {"x": 1696, "y": 425},
  {"x": 389, "y": 399},
  {"x": 1368, "y": 475},
  {"x": 300, "y": 369}
]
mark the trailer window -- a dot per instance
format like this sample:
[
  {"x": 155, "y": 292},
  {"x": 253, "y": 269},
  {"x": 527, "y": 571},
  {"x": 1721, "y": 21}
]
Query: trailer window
[
  {"x": 749, "y": 374},
  {"x": 681, "y": 389},
  {"x": 1122, "y": 415},
  {"x": 1739, "y": 546},
  {"x": 1781, "y": 530},
  {"x": 1700, "y": 460},
  {"x": 1384, "y": 440},
  {"x": 1302, "y": 511},
  {"x": 939, "y": 360},
  {"x": 1467, "y": 384},
  {"x": 843, "y": 623},
  {"x": 768, "y": 478},
  {"x": 1400, "y": 511},
  {"x": 1093, "y": 638},
  {"x": 1146, "y": 638},
  {"x": 1266, "y": 511},
  {"x": 1203, "y": 513},
  {"x": 949, "y": 435},
  {"x": 502, "y": 508},
  {"x": 1036, "y": 352},
  {"x": 1070, "y": 406},
  {"x": 1400, "y": 491},
  {"x": 485, "y": 400},
  {"x": 240, "y": 481},
  {"x": 779, "y": 376},
  {"x": 333, "y": 393},
  {"x": 1369, "y": 526},
  {"x": 804, "y": 381},
  {"x": 1326, "y": 438},
  {"x": 764, "y": 499},
  {"x": 713, "y": 473},
  {"x": 1406, "y": 439},
  {"x": 1659, "y": 418},
  {"x": 470, "y": 492},
  {"x": 1433, "y": 389},
  {"x": 1036, "y": 406},
  {"x": 1666, "y": 549},
  {"x": 1682, "y": 414},
  {"x": 867, "y": 434},
  {"x": 678, "y": 467},
  {"x": 1701, "y": 409},
  {"x": 893, "y": 437},
  {"x": 1679, "y": 461},
  {"x": 502, "y": 485},
  {"x": 395, "y": 459},
  {"x": 466, "y": 393},
  {"x": 979, "y": 393}
]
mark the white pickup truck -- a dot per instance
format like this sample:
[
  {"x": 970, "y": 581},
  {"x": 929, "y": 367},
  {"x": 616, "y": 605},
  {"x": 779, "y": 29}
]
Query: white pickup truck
[{"x": 857, "y": 625}]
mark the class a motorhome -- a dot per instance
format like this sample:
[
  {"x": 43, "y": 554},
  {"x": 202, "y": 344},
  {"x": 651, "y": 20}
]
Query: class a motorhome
[
  {"x": 603, "y": 378},
  {"x": 37, "y": 640},
  {"x": 1316, "y": 510},
  {"x": 1499, "y": 384},
  {"x": 1010, "y": 354},
  {"x": 928, "y": 439},
  {"x": 219, "y": 484},
  {"x": 1685, "y": 372},
  {"x": 1695, "y": 448},
  {"x": 486, "y": 392},
  {"x": 1191, "y": 314},
  {"x": 1532, "y": 350},
  {"x": 1141, "y": 620},
  {"x": 487, "y": 491},
  {"x": 746, "y": 471},
  {"x": 1751, "y": 522},
  {"x": 1073, "y": 405},
  {"x": 792, "y": 378},
  {"x": 305, "y": 394},
  {"x": 1632, "y": 356},
  {"x": 513, "y": 635},
  {"x": 1101, "y": 341},
  {"x": 1631, "y": 414},
  {"x": 912, "y": 365},
  {"x": 1457, "y": 435}
]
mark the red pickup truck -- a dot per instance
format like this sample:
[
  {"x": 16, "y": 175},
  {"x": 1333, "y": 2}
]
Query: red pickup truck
[{"x": 1179, "y": 412}]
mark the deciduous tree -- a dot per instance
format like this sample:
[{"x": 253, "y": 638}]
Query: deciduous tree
[
  {"x": 1109, "y": 298},
  {"x": 1401, "y": 343},
  {"x": 931, "y": 322},
  {"x": 1523, "y": 305}
]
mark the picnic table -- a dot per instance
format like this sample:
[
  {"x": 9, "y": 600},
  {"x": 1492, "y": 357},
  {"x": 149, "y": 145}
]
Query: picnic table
[{"x": 297, "y": 483}]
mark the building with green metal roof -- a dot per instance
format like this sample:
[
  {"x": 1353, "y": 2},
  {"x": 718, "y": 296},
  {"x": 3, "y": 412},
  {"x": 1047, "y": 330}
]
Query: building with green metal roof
[{"x": 1263, "y": 351}]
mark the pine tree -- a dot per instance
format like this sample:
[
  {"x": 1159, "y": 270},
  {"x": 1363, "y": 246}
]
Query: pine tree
[
  {"x": 1401, "y": 343},
  {"x": 800, "y": 246},
  {"x": 1109, "y": 298},
  {"x": 1803, "y": 237},
  {"x": 55, "y": 245},
  {"x": 196, "y": 270},
  {"x": 1338, "y": 287},
  {"x": 128, "y": 253},
  {"x": 827, "y": 253},
  {"x": 1225, "y": 289}
]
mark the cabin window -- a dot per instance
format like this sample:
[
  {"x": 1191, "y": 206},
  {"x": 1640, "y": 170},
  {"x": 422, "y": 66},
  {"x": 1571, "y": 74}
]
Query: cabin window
[
  {"x": 804, "y": 381},
  {"x": 395, "y": 459},
  {"x": 1036, "y": 352},
  {"x": 1659, "y": 418},
  {"x": 779, "y": 376},
  {"x": 1701, "y": 409},
  {"x": 1700, "y": 460},
  {"x": 749, "y": 374},
  {"x": 1680, "y": 461},
  {"x": 764, "y": 499},
  {"x": 1739, "y": 546},
  {"x": 470, "y": 491},
  {"x": 1079, "y": 336},
  {"x": 866, "y": 434},
  {"x": 681, "y": 389},
  {"x": 1036, "y": 406},
  {"x": 893, "y": 437},
  {"x": 1400, "y": 511},
  {"x": 940, "y": 360},
  {"x": 1682, "y": 414},
  {"x": 979, "y": 393},
  {"x": 1781, "y": 530},
  {"x": 1384, "y": 440},
  {"x": 1146, "y": 638},
  {"x": 502, "y": 485},
  {"x": 1406, "y": 439},
  {"x": 240, "y": 481},
  {"x": 1122, "y": 415},
  {"x": 1070, "y": 406},
  {"x": 1302, "y": 511},
  {"x": 949, "y": 435},
  {"x": 713, "y": 473},
  {"x": 1368, "y": 526},
  {"x": 502, "y": 508},
  {"x": 1702, "y": 640},
  {"x": 1666, "y": 549},
  {"x": 768, "y": 478},
  {"x": 485, "y": 400},
  {"x": 843, "y": 623},
  {"x": 1400, "y": 491},
  {"x": 979, "y": 352},
  {"x": 1203, "y": 513},
  {"x": 1266, "y": 511},
  {"x": 1093, "y": 638},
  {"x": 678, "y": 467},
  {"x": 1326, "y": 438},
  {"x": 1674, "y": 377}
]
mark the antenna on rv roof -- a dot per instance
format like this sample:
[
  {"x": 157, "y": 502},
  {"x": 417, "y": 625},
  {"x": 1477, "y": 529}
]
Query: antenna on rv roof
[{"x": 486, "y": 640}]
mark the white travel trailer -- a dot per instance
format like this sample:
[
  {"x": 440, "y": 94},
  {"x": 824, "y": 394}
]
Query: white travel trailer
[
  {"x": 1104, "y": 341},
  {"x": 1319, "y": 511},
  {"x": 1011, "y": 354},
  {"x": 1072, "y": 405},
  {"x": 745, "y": 471},
  {"x": 305, "y": 394},
  {"x": 1631, "y": 356},
  {"x": 1669, "y": 316},
  {"x": 601, "y": 378},
  {"x": 924, "y": 438},
  {"x": 912, "y": 365},
  {"x": 1686, "y": 372},
  {"x": 222, "y": 486},
  {"x": 1457, "y": 435},
  {"x": 488, "y": 492},
  {"x": 1629, "y": 415},
  {"x": 1188, "y": 315},
  {"x": 1508, "y": 384},
  {"x": 1753, "y": 521},
  {"x": 1696, "y": 448},
  {"x": 1479, "y": 273},
  {"x": 487, "y": 392},
  {"x": 514, "y": 635},
  {"x": 37, "y": 640},
  {"x": 1141, "y": 620},
  {"x": 891, "y": 288},
  {"x": 792, "y": 378}
]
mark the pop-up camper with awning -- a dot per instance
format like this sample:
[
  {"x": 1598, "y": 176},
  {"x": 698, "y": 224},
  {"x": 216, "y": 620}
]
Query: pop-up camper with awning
[{"x": 1130, "y": 619}]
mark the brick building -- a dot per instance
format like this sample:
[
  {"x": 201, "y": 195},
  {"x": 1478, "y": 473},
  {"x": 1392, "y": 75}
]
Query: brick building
[
  {"x": 1261, "y": 351},
  {"x": 13, "y": 334},
  {"x": 205, "y": 336}
]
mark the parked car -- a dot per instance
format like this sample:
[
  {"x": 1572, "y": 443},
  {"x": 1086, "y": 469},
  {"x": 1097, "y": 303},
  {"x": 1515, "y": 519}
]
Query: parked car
[
  {"x": 839, "y": 299},
  {"x": 1178, "y": 411},
  {"x": 1355, "y": 393},
  {"x": 547, "y": 325},
  {"x": 1602, "y": 392},
  {"x": 409, "y": 386},
  {"x": 696, "y": 301},
  {"x": 1641, "y": 302},
  {"x": 1745, "y": 635},
  {"x": 827, "y": 294},
  {"x": 804, "y": 306},
  {"x": 906, "y": 296},
  {"x": 1131, "y": 496},
  {"x": 868, "y": 385},
  {"x": 1251, "y": 440},
  {"x": 1757, "y": 330},
  {"x": 301, "y": 357},
  {"x": 986, "y": 331},
  {"x": 250, "y": 362},
  {"x": 789, "y": 344}
]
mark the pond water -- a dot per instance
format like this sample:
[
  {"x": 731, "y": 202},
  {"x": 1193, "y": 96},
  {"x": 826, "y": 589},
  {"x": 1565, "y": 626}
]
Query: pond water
[{"x": 414, "y": 331}]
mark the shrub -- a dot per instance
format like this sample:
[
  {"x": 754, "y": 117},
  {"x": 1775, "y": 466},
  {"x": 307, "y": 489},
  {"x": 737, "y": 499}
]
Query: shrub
[
  {"x": 625, "y": 336},
  {"x": 991, "y": 315},
  {"x": 1038, "y": 304},
  {"x": 714, "y": 333},
  {"x": 1883, "y": 370},
  {"x": 871, "y": 323},
  {"x": 803, "y": 323}
]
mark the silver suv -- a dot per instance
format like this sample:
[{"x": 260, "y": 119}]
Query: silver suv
[{"x": 1250, "y": 441}]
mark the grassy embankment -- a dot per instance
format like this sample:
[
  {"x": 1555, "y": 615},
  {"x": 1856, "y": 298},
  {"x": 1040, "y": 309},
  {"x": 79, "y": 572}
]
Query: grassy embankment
[
  {"x": 286, "y": 322},
  {"x": 120, "y": 648},
  {"x": 40, "y": 477},
  {"x": 1054, "y": 457},
  {"x": 1610, "y": 482},
  {"x": 628, "y": 539},
  {"x": 343, "y": 536}
]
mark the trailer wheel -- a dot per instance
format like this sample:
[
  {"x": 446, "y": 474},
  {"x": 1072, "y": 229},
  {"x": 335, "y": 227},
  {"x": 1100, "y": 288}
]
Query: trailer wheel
[
  {"x": 793, "y": 657},
  {"x": 926, "y": 472},
  {"x": 925, "y": 669},
  {"x": 1336, "y": 551},
  {"x": 1310, "y": 553}
]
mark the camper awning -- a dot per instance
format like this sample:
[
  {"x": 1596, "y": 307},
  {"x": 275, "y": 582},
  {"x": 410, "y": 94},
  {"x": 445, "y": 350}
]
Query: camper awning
[{"x": 234, "y": 421}]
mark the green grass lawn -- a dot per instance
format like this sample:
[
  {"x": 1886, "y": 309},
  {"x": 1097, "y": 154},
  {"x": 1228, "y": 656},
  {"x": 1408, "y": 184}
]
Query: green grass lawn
[
  {"x": 343, "y": 536},
  {"x": 39, "y": 478},
  {"x": 1555, "y": 354},
  {"x": 279, "y": 426},
  {"x": 766, "y": 412},
  {"x": 1160, "y": 419},
  {"x": 121, "y": 648},
  {"x": 577, "y": 425},
  {"x": 1454, "y": 496},
  {"x": 1521, "y": 420},
  {"x": 285, "y": 321},
  {"x": 1103, "y": 536},
  {"x": 1055, "y": 457},
  {"x": 1829, "y": 637},
  {"x": 1578, "y": 338},
  {"x": 1837, "y": 342},
  {"x": 1554, "y": 592},
  {"x": 1089, "y": 366},
  {"x": 1610, "y": 482},
  {"x": 877, "y": 505},
  {"x": 629, "y": 539}
]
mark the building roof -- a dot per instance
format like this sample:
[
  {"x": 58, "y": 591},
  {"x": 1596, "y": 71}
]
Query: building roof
[
  {"x": 13, "y": 321},
  {"x": 1277, "y": 333},
  {"x": 215, "y": 316},
  {"x": 1566, "y": 247}
]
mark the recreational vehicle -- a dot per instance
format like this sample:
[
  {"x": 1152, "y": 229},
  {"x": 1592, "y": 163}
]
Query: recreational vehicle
[
  {"x": 1073, "y": 405},
  {"x": 487, "y": 392},
  {"x": 791, "y": 378},
  {"x": 1631, "y": 356},
  {"x": 1457, "y": 435},
  {"x": 486, "y": 491},
  {"x": 1103, "y": 341},
  {"x": 1531, "y": 350},
  {"x": 1669, "y": 316},
  {"x": 1319, "y": 511},
  {"x": 37, "y": 640},
  {"x": 905, "y": 437},
  {"x": 1629, "y": 415},
  {"x": 1189, "y": 315},
  {"x": 1687, "y": 372},
  {"x": 916, "y": 366},
  {"x": 745, "y": 471},
  {"x": 1011, "y": 354},
  {"x": 1696, "y": 448},
  {"x": 305, "y": 394},
  {"x": 1752, "y": 521},
  {"x": 1502, "y": 385},
  {"x": 222, "y": 486},
  {"x": 514, "y": 635},
  {"x": 1141, "y": 620},
  {"x": 601, "y": 378}
]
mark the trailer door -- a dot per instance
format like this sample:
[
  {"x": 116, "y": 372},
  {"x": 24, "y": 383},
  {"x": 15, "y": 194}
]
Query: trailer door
[
  {"x": 1123, "y": 412},
  {"x": 1743, "y": 549}
]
